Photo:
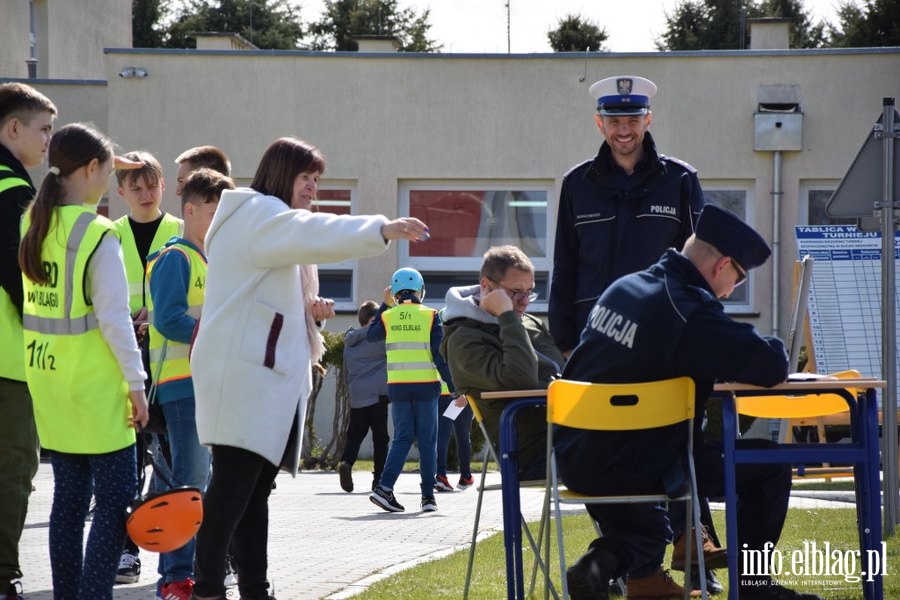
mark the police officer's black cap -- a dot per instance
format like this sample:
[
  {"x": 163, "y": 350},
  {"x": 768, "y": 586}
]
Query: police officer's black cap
[{"x": 732, "y": 237}]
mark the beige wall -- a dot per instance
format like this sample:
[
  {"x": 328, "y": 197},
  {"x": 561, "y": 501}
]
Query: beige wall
[
  {"x": 383, "y": 120},
  {"x": 389, "y": 119},
  {"x": 70, "y": 35}
]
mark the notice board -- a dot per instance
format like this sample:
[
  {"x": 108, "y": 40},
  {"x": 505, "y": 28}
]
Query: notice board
[{"x": 844, "y": 304}]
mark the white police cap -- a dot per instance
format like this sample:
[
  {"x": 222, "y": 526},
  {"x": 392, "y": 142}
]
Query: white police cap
[{"x": 623, "y": 95}]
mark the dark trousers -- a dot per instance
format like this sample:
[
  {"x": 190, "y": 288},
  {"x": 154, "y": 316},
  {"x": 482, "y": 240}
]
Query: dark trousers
[
  {"x": 633, "y": 532},
  {"x": 461, "y": 428},
  {"x": 19, "y": 454},
  {"x": 636, "y": 534},
  {"x": 89, "y": 571},
  {"x": 235, "y": 512},
  {"x": 374, "y": 417},
  {"x": 763, "y": 491}
]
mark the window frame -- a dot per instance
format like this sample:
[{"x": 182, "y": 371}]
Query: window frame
[
  {"x": 745, "y": 304},
  {"x": 351, "y": 265},
  {"x": 471, "y": 265}
]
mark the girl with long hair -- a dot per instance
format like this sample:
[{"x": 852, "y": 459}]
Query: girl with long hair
[{"x": 82, "y": 361}]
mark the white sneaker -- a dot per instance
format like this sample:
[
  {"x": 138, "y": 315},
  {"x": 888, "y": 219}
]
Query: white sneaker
[
  {"x": 231, "y": 577},
  {"x": 129, "y": 568}
]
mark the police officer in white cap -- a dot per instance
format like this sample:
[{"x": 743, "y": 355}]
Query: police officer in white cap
[{"x": 618, "y": 213}]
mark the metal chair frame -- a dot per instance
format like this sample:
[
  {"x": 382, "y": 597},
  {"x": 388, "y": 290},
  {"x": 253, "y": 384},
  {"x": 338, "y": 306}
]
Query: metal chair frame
[{"x": 622, "y": 407}]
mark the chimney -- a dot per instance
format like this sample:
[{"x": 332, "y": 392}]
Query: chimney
[
  {"x": 770, "y": 33},
  {"x": 377, "y": 43}
]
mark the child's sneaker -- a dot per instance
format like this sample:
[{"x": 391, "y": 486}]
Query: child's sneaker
[
  {"x": 346, "y": 475},
  {"x": 230, "y": 572},
  {"x": 442, "y": 484},
  {"x": 14, "y": 591},
  {"x": 428, "y": 504},
  {"x": 465, "y": 482},
  {"x": 129, "y": 568},
  {"x": 177, "y": 590},
  {"x": 386, "y": 500}
]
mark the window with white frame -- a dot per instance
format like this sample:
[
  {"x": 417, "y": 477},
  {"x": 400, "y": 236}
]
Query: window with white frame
[
  {"x": 815, "y": 196},
  {"x": 734, "y": 199},
  {"x": 336, "y": 279},
  {"x": 467, "y": 218}
]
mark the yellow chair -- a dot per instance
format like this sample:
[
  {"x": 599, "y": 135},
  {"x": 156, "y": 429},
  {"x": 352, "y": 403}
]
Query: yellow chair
[
  {"x": 622, "y": 407},
  {"x": 490, "y": 453},
  {"x": 802, "y": 410}
]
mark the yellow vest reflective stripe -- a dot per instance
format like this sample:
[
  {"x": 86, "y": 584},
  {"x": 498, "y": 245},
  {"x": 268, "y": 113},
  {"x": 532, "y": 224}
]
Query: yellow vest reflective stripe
[
  {"x": 12, "y": 363},
  {"x": 80, "y": 395},
  {"x": 9, "y": 179},
  {"x": 169, "y": 226},
  {"x": 408, "y": 342},
  {"x": 175, "y": 363}
]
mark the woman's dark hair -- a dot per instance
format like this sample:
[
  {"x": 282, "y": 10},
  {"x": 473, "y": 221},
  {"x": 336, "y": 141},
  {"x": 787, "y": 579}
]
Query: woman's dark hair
[
  {"x": 282, "y": 162},
  {"x": 71, "y": 147}
]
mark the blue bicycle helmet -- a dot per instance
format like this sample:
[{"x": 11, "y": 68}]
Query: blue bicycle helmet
[{"x": 407, "y": 279}]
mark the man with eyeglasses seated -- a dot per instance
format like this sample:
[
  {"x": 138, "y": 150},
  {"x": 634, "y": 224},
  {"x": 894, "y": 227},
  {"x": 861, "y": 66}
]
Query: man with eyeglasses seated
[
  {"x": 491, "y": 344},
  {"x": 664, "y": 322}
]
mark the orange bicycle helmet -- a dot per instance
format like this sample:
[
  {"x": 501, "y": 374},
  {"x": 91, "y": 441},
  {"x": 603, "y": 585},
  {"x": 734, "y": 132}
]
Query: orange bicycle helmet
[{"x": 165, "y": 521}]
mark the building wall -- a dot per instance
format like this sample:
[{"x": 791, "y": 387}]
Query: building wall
[
  {"x": 385, "y": 121},
  {"x": 69, "y": 39}
]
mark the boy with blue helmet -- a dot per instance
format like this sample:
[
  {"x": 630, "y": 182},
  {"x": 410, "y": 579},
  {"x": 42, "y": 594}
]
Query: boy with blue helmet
[{"x": 412, "y": 334}]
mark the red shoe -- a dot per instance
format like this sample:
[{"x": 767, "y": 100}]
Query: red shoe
[
  {"x": 442, "y": 484},
  {"x": 465, "y": 482},
  {"x": 177, "y": 590}
]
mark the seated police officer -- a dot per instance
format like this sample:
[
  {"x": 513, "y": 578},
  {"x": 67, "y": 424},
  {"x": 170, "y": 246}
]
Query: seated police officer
[{"x": 660, "y": 323}]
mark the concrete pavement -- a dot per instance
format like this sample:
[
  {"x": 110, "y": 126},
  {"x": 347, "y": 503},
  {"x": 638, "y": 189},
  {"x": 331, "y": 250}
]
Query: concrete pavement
[{"x": 323, "y": 542}]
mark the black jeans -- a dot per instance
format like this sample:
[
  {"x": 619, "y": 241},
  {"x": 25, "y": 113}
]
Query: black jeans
[
  {"x": 235, "y": 513},
  {"x": 374, "y": 417}
]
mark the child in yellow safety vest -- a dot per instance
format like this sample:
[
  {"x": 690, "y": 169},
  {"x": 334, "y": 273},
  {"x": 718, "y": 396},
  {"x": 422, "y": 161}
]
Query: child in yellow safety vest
[
  {"x": 82, "y": 361},
  {"x": 177, "y": 277},
  {"x": 415, "y": 367},
  {"x": 26, "y": 120}
]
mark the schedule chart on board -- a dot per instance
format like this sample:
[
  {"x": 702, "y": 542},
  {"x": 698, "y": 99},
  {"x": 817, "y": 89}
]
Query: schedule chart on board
[{"x": 844, "y": 303}]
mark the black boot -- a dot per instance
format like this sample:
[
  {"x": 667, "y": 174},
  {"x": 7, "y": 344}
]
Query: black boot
[
  {"x": 713, "y": 586},
  {"x": 588, "y": 578}
]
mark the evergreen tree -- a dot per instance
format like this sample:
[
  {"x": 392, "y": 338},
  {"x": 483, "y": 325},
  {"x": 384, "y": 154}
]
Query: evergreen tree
[
  {"x": 875, "y": 24},
  {"x": 345, "y": 20},
  {"x": 146, "y": 16},
  {"x": 722, "y": 24},
  {"x": 268, "y": 24},
  {"x": 575, "y": 34}
]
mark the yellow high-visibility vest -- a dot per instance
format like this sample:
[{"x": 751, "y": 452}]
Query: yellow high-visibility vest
[
  {"x": 12, "y": 363},
  {"x": 408, "y": 342},
  {"x": 169, "y": 227},
  {"x": 176, "y": 365},
  {"x": 80, "y": 395}
]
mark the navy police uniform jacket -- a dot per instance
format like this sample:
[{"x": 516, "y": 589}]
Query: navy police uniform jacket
[
  {"x": 660, "y": 323},
  {"x": 611, "y": 224}
]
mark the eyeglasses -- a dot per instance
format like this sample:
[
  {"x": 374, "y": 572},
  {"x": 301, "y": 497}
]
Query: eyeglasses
[
  {"x": 741, "y": 273},
  {"x": 518, "y": 296}
]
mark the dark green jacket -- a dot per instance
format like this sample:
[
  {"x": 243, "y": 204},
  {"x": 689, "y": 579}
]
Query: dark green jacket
[{"x": 485, "y": 353}]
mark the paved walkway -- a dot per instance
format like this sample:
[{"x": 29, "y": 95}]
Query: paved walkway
[{"x": 323, "y": 542}]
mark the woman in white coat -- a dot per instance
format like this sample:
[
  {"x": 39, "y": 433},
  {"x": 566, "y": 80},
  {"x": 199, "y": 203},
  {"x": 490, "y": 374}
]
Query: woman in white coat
[{"x": 251, "y": 361}]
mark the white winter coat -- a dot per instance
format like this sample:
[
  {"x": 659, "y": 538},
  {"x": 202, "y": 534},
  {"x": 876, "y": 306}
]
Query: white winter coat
[{"x": 250, "y": 362}]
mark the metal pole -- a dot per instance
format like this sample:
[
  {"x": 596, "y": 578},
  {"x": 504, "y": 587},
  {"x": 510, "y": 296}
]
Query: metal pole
[
  {"x": 890, "y": 456},
  {"x": 776, "y": 237}
]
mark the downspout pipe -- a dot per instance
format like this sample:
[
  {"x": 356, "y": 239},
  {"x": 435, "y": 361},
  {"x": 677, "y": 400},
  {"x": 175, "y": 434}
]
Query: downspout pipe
[{"x": 776, "y": 236}]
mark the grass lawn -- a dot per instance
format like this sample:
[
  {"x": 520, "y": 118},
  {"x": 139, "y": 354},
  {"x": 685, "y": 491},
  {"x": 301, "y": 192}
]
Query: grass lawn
[{"x": 445, "y": 578}]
